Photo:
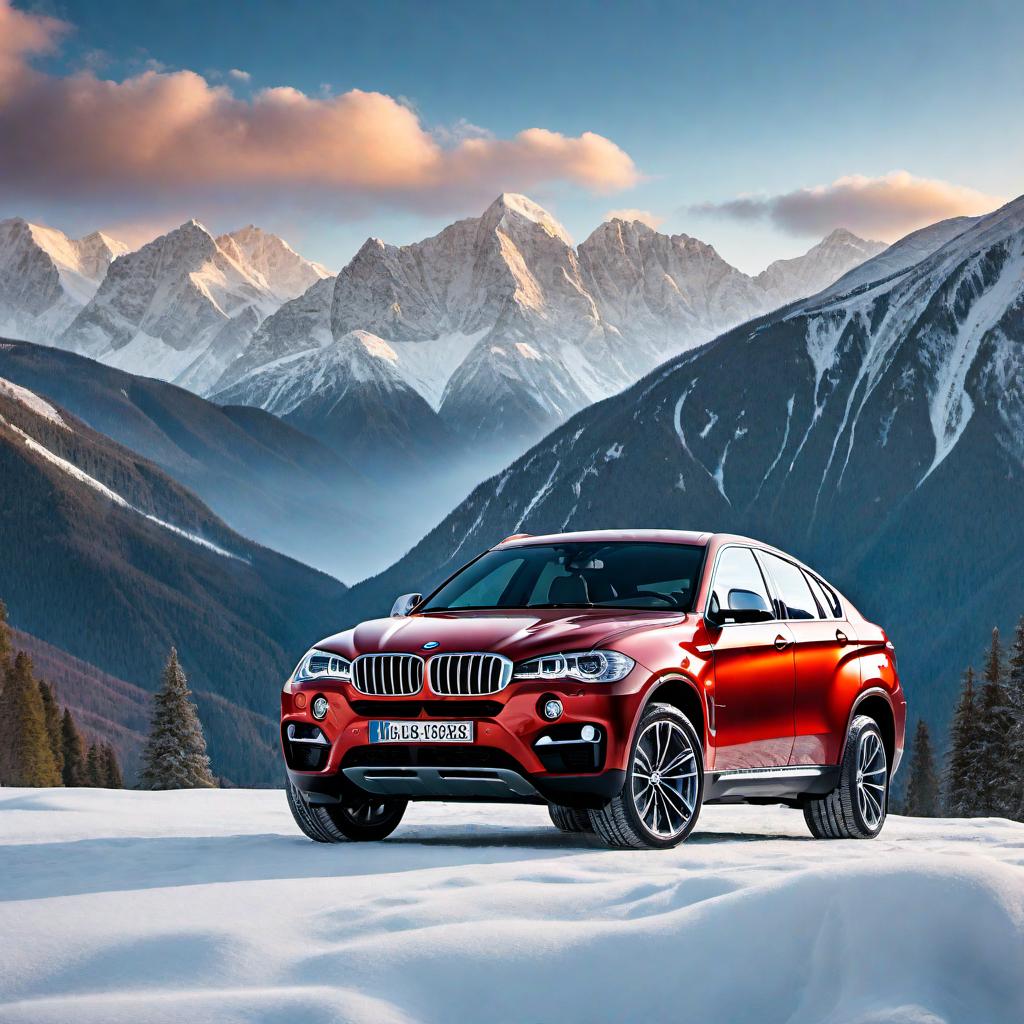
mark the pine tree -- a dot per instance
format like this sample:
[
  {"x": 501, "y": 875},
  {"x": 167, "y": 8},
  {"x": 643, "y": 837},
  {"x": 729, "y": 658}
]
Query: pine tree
[
  {"x": 51, "y": 715},
  {"x": 175, "y": 755},
  {"x": 5, "y": 642},
  {"x": 112, "y": 777},
  {"x": 923, "y": 786},
  {"x": 961, "y": 780},
  {"x": 28, "y": 759},
  {"x": 94, "y": 769},
  {"x": 994, "y": 775},
  {"x": 1015, "y": 743},
  {"x": 73, "y": 748}
]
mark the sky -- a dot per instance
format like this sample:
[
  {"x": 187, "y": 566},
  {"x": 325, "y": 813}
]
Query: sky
[{"x": 757, "y": 127}]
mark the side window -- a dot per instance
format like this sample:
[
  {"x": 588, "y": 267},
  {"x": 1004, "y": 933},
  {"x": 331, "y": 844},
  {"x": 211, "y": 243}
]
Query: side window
[
  {"x": 793, "y": 588},
  {"x": 487, "y": 590},
  {"x": 826, "y": 597},
  {"x": 738, "y": 584}
]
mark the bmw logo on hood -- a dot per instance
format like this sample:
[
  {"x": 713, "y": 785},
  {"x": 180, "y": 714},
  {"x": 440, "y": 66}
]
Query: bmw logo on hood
[{"x": 431, "y": 644}]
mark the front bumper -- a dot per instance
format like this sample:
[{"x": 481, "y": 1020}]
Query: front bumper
[{"x": 504, "y": 763}]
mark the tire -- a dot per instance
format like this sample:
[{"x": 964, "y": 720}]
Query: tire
[
  {"x": 665, "y": 739},
  {"x": 357, "y": 820},
  {"x": 857, "y": 807},
  {"x": 570, "y": 819}
]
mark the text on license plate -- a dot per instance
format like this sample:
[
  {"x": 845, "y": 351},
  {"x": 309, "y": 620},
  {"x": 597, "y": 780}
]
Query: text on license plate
[{"x": 421, "y": 732}]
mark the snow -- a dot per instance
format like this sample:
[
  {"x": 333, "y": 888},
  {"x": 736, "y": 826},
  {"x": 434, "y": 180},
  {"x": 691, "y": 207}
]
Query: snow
[
  {"x": 209, "y": 906},
  {"x": 32, "y": 401}
]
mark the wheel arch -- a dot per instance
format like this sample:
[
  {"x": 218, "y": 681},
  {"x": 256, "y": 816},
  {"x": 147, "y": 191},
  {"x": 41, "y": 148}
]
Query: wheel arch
[
  {"x": 681, "y": 693},
  {"x": 877, "y": 705}
]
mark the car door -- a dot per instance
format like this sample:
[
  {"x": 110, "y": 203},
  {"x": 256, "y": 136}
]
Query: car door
[
  {"x": 753, "y": 667},
  {"x": 823, "y": 649}
]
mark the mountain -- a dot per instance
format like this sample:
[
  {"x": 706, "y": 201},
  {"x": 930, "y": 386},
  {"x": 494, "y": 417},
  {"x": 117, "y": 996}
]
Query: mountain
[
  {"x": 46, "y": 277},
  {"x": 878, "y": 434},
  {"x": 106, "y": 557},
  {"x": 504, "y": 327},
  {"x": 284, "y": 272},
  {"x": 244, "y": 463}
]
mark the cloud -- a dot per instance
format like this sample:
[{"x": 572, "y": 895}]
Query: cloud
[
  {"x": 242, "y": 76},
  {"x": 652, "y": 220},
  {"x": 164, "y": 135},
  {"x": 885, "y": 207}
]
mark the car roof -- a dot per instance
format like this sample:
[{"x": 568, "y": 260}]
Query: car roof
[{"x": 606, "y": 537}]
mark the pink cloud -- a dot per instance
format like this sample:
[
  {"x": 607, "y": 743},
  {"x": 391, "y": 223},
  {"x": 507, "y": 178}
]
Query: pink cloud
[
  {"x": 169, "y": 134},
  {"x": 885, "y": 207}
]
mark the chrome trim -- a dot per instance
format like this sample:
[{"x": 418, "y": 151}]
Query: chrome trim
[
  {"x": 377, "y": 675},
  {"x": 319, "y": 741},
  {"x": 489, "y": 675},
  {"x": 547, "y": 741},
  {"x": 805, "y": 771}
]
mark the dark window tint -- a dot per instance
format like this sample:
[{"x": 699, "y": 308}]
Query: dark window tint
[
  {"x": 826, "y": 597},
  {"x": 792, "y": 587},
  {"x": 616, "y": 575},
  {"x": 738, "y": 585}
]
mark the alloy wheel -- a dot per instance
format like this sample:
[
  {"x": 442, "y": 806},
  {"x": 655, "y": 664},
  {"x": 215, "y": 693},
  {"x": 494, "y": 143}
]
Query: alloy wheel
[
  {"x": 664, "y": 779},
  {"x": 367, "y": 812},
  {"x": 872, "y": 773}
]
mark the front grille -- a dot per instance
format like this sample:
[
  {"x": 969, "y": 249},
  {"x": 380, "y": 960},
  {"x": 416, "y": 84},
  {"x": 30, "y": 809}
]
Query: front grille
[
  {"x": 388, "y": 675},
  {"x": 434, "y": 708},
  {"x": 469, "y": 675}
]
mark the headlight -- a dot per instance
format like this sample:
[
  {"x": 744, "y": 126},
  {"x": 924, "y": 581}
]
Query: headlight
[
  {"x": 586, "y": 666},
  {"x": 322, "y": 665}
]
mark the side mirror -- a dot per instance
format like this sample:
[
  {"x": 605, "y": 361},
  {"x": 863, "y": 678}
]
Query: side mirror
[{"x": 405, "y": 604}]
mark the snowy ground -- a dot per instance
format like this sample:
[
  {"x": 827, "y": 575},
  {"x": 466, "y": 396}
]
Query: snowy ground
[{"x": 210, "y": 906}]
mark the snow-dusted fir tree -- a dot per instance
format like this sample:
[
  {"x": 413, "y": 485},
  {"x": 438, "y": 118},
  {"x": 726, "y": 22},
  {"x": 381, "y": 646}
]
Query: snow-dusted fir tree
[
  {"x": 1015, "y": 700},
  {"x": 961, "y": 782},
  {"x": 175, "y": 755},
  {"x": 73, "y": 750},
  {"x": 994, "y": 772},
  {"x": 923, "y": 785}
]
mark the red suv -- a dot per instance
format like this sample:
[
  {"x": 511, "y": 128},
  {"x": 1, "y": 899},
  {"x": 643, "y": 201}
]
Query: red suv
[{"x": 624, "y": 678}]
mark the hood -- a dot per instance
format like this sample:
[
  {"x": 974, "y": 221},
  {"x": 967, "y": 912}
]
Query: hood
[{"x": 518, "y": 634}]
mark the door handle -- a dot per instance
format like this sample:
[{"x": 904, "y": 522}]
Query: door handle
[
  {"x": 781, "y": 643},
  {"x": 841, "y": 637}
]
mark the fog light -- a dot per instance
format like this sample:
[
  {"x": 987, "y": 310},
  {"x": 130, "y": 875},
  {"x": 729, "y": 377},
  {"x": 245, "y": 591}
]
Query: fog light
[
  {"x": 552, "y": 709},
  {"x": 588, "y": 734},
  {"x": 320, "y": 707},
  {"x": 300, "y": 700}
]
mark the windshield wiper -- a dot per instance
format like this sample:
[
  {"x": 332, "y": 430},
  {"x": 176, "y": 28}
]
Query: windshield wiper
[{"x": 563, "y": 604}]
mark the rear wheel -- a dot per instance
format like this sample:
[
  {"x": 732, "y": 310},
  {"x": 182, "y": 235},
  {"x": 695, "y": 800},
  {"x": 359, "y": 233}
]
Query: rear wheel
[
  {"x": 362, "y": 818},
  {"x": 857, "y": 807},
  {"x": 570, "y": 819},
  {"x": 664, "y": 787}
]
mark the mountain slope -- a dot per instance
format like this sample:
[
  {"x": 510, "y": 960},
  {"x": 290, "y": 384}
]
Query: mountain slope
[
  {"x": 106, "y": 557},
  {"x": 506, "y": 328},
  {"x": 46, "y": 277},
  {"x": 281, "y": 269},
  {"x": 879, "y": 435}
]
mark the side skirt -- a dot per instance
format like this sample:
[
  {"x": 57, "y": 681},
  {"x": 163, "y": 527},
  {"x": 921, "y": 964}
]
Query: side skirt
[{"x": 788, "y": 783}]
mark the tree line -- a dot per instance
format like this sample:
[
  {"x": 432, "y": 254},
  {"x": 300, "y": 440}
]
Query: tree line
[
  {"x": 983, "y": 774},
  {"x": 42, "y": 745}
]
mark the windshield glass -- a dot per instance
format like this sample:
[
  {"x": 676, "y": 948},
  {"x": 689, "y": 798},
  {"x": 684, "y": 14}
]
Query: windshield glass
[{"x": 595, "y": 575}]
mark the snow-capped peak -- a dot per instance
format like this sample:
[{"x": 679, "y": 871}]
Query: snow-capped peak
[
  {"x": 512, "y": 203},
  {"x": 280, "y": 268}
]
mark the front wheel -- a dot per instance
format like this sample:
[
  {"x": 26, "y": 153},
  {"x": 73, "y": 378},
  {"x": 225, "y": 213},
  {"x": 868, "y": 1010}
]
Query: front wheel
[
  {"x": 664, "y": 787},
  {"x": 856, "y": 808},
  {"x": 569, "y": 819},
  {"x": 356, "y": 819}
]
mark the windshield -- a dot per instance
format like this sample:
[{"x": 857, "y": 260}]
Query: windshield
[{"x": 595, "y": 575}]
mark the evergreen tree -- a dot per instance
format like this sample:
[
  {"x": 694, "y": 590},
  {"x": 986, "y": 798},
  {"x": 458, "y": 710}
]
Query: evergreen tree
[
  {"x": 923, "y": 786},
  {"x": 175, "y": 755},
  {"x": 5, "y": 642},
  {"x": 73, "y": 748},
  {"x": 961, "y": 780},
  {"x": 112, "y": 777},
  {"x": 994, "y": 772},
  {"x": 94, "y": 769},
  {"x": 1015, "y": 743},
  {"x": 27, "y": 757},
  {"x": 51, "y": 716}
]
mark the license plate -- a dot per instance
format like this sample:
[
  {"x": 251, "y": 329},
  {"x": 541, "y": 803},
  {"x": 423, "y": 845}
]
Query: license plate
[{"x": 421, "y": 732}]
